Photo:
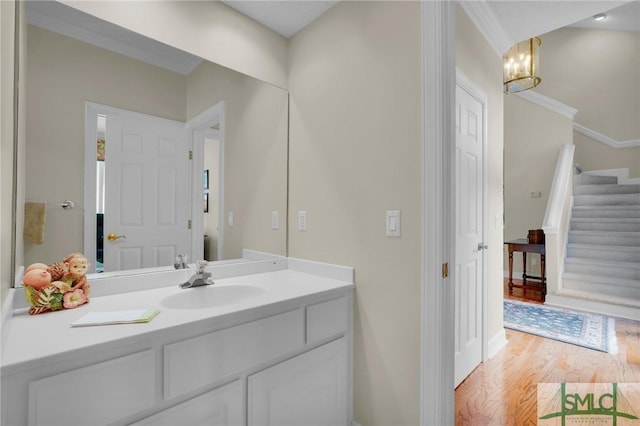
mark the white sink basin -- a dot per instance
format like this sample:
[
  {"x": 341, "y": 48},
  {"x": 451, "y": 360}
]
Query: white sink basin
[{"x": 210, "y": 296}]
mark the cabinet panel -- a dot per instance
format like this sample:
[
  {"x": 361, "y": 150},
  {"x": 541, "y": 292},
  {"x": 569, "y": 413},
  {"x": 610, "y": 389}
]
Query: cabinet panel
[
  {"x": 220, "y": 407},
  {"x": 98, "y": 394},
  {"x": 326, "y": 319},
  {"x": 310, "y": 389},
  {"x": 200, "y": 361}
]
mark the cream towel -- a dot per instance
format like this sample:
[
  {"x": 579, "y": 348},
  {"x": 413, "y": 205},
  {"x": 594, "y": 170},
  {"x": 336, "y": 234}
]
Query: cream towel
[{"x": 34, "y": 222}]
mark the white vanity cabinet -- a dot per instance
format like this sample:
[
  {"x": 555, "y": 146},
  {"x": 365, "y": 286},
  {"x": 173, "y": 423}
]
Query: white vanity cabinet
[
  {"x": 287, "y": 363},
  {"x": 310, "y": 389}
]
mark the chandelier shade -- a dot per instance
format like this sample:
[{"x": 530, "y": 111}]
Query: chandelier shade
[{"x": 521, "y": 66}]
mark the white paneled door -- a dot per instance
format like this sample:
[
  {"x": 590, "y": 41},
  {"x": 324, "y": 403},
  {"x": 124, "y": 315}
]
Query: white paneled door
[
  {"x": 147, "y": 195},
  {"x": 469, "y": 233}
]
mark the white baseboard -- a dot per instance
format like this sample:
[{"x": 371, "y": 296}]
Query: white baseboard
[{"x": 497, "y": 343}]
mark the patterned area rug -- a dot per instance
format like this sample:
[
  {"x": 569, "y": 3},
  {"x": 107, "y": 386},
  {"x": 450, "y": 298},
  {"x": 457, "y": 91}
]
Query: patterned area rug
[{"x": 593, "y": 331}]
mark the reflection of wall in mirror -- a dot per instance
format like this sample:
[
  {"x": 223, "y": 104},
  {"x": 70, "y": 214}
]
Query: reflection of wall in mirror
[{"x": 255, "y": 154}]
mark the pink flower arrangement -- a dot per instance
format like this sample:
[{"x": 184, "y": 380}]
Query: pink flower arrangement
[
  {"x": 73, "y": 299},
  {"x": 61, "y": 285}
]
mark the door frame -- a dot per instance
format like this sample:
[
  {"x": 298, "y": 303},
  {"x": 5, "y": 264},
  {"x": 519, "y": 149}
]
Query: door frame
[
  {"x": 478, "y": 94},
  {"x": 199, "y": 127},
  {"x": 437, "y": 246}
]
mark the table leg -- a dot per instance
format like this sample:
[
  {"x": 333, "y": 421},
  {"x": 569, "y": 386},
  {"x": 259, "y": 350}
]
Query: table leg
[
  {"x": 510, "y": 270},
  {"x": 524, "y": 267},
  {"x": 542, "y": 275}
]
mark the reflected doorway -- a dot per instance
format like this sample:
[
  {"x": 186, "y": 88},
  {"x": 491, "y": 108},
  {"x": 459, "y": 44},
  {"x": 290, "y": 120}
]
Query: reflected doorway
[{"x": 211, "y": 196}]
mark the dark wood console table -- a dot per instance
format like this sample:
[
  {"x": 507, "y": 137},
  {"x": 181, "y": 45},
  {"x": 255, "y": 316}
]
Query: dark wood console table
[{"x": 522, "y": 245}]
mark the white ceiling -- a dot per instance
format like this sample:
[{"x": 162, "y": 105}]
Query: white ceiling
[
  {"x": 623, "y": 18},
  {"x": 284, "y": 17}
]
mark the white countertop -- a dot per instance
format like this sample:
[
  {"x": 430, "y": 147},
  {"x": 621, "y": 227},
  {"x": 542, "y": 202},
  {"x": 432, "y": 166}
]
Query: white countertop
[{"x": 32, "y": 339}]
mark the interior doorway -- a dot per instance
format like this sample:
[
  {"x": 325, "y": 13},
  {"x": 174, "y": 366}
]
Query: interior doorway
[
  {"x": 211, "y": 194},
  {"x": 207, "y": 138}
]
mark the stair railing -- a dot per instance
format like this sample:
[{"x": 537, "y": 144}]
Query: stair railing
[{"x": 556, "y": 218}]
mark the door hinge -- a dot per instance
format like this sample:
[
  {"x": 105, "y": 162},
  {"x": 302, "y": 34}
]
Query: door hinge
[
  {"x": 445, "y": 270},
  {"x": 189, "y": 224},
  {"x": 190, "y": 154}
]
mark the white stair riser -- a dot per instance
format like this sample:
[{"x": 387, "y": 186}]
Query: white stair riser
[
  {"x": 591, "y": 179},
  {"x": 606, "y": 212},
  {"x": 605, "y": 189},
  {"x": 628, "y": 292},
  {"x": 596, "y": 254},
  {"x": 609, "y": 240},
  {"x": 607, "y": 200},
  {"x": 595, "y": 225},
  {"x": 602, "y": 270}
]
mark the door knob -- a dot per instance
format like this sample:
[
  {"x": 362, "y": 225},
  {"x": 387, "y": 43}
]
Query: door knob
[
  {"x": 482, "y": 247},
  {"x": 113, "y": 237}
]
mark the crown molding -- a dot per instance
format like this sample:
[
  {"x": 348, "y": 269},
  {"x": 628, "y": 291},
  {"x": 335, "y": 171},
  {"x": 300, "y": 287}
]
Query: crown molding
[
  {"x": 488, "y": 24},
  {"x": 97, "y": 33},
  {"x": 590, "y": 133},
  {"x": 549, "y": 103}
]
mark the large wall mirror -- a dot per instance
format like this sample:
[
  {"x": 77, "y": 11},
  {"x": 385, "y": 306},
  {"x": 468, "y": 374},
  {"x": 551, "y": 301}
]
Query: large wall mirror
[{"x": 105, "y": 177}]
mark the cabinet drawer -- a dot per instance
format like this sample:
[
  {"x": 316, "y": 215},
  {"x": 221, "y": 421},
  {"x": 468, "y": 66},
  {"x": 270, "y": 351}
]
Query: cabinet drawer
[
  {"x": 220, "y": 407},
  {"x": 95, "y": 395},
  {"x": 326, "y": 319},
  {"x": 200, "y": 361}
]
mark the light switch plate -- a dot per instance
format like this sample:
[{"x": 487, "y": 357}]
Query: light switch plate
[
  {"x": 275, "y": 220},
  {"x": 302, "y": 220},
  {"x": 230, "y": 219},
  {"x": 393, "y": 223}
]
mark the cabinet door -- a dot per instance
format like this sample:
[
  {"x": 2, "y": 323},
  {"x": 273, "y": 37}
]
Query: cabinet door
[
  {"x": 310, "y": 389},
  {"x": 220, "y": 407}
]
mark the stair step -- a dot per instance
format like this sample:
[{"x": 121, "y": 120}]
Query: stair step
[
  {"x": 606, "y": 286},
  {"x": 607, "y": 199},
  {"x": 605, "y": 238},
  {"x": 603, "y": 298},
  {"x": 606, "y": 211},
  {"x": 599, "y": 189},
  {"x": 584, "y": 179},
  {"x": 601, "y": 252},
  {"x": 604, "y": 268},
  {"x": 605, "y": 224}
]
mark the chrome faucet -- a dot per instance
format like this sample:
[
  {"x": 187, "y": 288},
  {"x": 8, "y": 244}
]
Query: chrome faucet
[
  {"x": 201, "y": 278},
  {"x": 181, "y": 261}
]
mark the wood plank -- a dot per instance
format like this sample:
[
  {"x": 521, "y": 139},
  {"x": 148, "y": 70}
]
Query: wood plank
[{"x": 503, "y": 390}]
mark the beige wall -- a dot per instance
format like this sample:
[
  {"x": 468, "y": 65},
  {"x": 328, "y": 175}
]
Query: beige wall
[
  {"x": 208, "y": 29},
  {"x": 476, "y": 59},
  {"x": 255, "y": 152},
  {"x": 63, "y": 73},
  {"x": 593, "y": 155},
  {"x": 596, "y": 72},
  {"x": 533, "y": 136},
  {"x": 355, "y": 148}
]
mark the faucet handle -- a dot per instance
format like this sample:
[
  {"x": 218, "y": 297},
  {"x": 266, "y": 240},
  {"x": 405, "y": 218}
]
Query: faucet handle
[{"x": 201, "y": 264}]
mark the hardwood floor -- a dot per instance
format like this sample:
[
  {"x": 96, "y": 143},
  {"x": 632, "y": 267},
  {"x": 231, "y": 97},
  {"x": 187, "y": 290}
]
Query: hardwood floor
[{"x": 502, "y": 391}]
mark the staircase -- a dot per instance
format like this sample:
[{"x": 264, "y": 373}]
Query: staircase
[{"x": 603, "y": 250}]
